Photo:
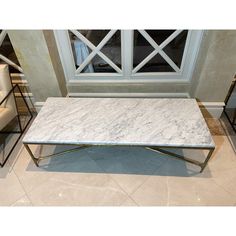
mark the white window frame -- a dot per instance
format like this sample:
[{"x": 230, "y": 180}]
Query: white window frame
[{"x": 127, "y": 74}]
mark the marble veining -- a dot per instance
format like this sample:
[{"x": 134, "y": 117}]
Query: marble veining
[{"x": 120, "y": 121}]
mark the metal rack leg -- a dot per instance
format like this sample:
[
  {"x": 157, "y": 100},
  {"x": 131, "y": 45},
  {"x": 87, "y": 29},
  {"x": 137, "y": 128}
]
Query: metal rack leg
[
  {"x": 18, "y": 118},
  {"x": 35, "y": 160},
  {"x": 203, "y": 165}
]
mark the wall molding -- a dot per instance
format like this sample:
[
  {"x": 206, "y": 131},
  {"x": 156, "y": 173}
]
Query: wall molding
[
  {"x": 211, "y": 109},
  {"x": 130, "y": 95},
  {"x": 38, "y": 105}
]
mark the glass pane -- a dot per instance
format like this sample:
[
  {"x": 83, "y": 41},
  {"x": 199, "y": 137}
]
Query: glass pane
[
  {"x": 175, "y": 49},
  {"x": 98, "y": 65},
  {"x": 157, "y": 64},
  {"x": 160, "y": 36},
  {"x": 7, "y": 50},
  {"x": 79, "y": 49},
  {"x": 142, "y": 48},
  {"x": 112, "y": 49},
  {"x": 94, "y": 36}
]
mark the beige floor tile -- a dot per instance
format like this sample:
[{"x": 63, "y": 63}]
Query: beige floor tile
[
  {"x": 226, "y": 179},
  {"x": 224, "y": 157},
  {"x": 24, "y": 201},
  {"x": 128, "y": 166},
  {"x": 10, "y": 187},
  {"x": 129, "y": 183},
  {"x": 153, "y": 192},
  {"x": 129, "y": 202},
  {"x": 32, "y": 176},
  {"x": 29, "y": 175},
  {"x": 180, "y": 183},
  {"x": 72, "y": 189},
  {"x": 106, "y": 176},
  {"x": 181, "y": 191},
  {"x": 197, "y": 192}
]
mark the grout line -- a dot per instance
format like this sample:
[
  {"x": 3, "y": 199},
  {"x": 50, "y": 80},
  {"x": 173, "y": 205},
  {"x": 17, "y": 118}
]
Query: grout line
[
  {"x": 26, "y": 193},
  {"x": 124, "y": 192},
  {"x": 149, "y": 176},
  {"x": 168, "y": 191},
  {"x": 16, "y": 159},
  {"x": 222, "y": 186},
  {"x": 21, "y": 197},
  {"x": 131, "y": 199},
  {"x": 11, "y": 169},
  {"x": 232, "y": 195}
]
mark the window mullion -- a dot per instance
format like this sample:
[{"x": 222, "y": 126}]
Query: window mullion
[
  {"x": 127, "y": 52},
  {"x": 2, "y": 36}
]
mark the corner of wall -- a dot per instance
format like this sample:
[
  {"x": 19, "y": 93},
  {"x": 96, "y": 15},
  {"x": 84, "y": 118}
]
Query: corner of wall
[
  {"x": 55, "y": 59},
  {"x": 200, "y": 62}
]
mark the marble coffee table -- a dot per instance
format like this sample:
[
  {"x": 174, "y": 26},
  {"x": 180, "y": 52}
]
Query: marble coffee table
[{"x": 152, "y": 123}]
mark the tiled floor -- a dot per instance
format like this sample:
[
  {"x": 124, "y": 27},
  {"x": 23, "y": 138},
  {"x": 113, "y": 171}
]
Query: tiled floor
[{"x": 120, "y": 176}]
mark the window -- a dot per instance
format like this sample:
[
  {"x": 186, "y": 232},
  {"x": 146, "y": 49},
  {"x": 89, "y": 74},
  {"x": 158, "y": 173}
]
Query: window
[
  {"x": 158, "y": 50},
  {"x": 127, "y": 55},
  {"x": 96, "y": 51}
]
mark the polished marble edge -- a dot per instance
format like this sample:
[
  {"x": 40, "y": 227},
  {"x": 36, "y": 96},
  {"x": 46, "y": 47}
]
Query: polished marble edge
[{"x": 100, "y": 144}]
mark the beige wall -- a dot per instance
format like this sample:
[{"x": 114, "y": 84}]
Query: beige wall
[
  {"x": 35, "y": 59},
  {"x": 215, "y": 68},
  {"x": 55, "y": 59}
]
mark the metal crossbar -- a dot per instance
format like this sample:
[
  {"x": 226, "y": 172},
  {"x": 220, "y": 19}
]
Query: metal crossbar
[{"x": 183, "y": 158}]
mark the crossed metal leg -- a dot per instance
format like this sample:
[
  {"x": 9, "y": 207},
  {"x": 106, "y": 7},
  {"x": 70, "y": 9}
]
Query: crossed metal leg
[
  {"x": 202, "y": 165},
  {"x": 36, "y": 160},
  {"x": 183, "y": 158}
]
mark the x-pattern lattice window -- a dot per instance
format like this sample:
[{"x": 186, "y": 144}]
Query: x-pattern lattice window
[
  {"x": 128, "y": 55},
  {"x": 7, "y": 54},
  {"x": 94, "y": 50},
  {"x": 162, "y": 49}
]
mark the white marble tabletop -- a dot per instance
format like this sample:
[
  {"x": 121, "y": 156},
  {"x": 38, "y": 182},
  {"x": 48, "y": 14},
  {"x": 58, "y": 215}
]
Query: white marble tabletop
[{"x": 120, "y": 121}]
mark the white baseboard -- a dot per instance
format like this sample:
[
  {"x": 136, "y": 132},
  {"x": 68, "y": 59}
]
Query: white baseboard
[
  {"x": 211, "y": 109},
  {"x": 38, "y": 105},
  {"x": 129, "y": 95}
]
